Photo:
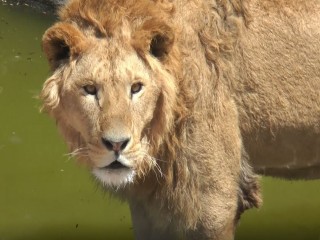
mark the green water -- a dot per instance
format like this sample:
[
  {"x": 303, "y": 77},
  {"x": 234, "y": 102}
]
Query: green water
[{"x": 44, "y": 195}]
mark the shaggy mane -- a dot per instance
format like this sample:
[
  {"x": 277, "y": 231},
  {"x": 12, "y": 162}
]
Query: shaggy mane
[
  {"x": 149, "y": 20},
  {"x": 93, "y": 13}
]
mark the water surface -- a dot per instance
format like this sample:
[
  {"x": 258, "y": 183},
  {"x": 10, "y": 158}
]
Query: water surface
[{"x": 44, "y": 195}]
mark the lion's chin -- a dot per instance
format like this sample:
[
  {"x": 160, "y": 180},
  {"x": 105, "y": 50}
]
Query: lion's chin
[{"x": 114, "y": 177}]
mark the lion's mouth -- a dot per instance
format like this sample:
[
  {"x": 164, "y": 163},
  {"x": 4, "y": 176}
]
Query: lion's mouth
[{"x": 115, "y": 165}]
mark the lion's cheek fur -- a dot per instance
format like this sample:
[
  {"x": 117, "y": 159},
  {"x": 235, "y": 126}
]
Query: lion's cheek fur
[
  {"x": 166, "y": 108},
  {"x": 50, "y": 96}
]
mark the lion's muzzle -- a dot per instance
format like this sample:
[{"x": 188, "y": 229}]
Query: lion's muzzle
[{"x": 116, "y": 145}]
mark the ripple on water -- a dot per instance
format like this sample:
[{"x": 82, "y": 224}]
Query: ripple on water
[{"x": 15, "y": 139}]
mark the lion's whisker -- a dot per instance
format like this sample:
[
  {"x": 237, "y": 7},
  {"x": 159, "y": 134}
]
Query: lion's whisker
[
  {"x": 154, "y": 165},
  {"x": 77, "y": 152}
]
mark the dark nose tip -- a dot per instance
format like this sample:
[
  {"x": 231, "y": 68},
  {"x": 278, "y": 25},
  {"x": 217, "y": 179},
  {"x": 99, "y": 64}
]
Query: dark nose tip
[{"x": 115, "y": 145}]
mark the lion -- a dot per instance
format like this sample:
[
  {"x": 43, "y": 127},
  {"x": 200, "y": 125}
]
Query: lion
[{"x": 175, "y": 106}]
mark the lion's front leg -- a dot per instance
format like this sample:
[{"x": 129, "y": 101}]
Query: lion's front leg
[
  {"x": 218, "y": 218},
  {"x": 223, "y": 203},
  {"x": 217, "y": 221},
  {"x": 228, "y": 185},
  {"x": 147, "y": 228},
  {"x": 206, "y": 233}
]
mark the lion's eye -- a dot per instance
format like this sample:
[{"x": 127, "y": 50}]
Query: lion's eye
[
  {"x": 90, "y": 89},
  {"x": 136, "y": 87}
]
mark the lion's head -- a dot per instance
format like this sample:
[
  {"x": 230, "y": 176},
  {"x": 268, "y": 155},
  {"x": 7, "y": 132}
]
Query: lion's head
[{"x": 113, "y": 91}]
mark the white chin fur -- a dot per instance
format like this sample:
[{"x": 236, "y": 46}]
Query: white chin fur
[{"x": 114, "y": 177}]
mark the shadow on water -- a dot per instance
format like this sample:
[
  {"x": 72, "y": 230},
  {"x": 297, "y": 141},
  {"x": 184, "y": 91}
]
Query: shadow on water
[{"x": 43, "y": 195}]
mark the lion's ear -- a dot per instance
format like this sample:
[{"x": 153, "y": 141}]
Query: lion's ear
[
  {"x": 62, "y": 42},
  {"x": 161, "y": 44},
  {"x": 154, "y": 37}
]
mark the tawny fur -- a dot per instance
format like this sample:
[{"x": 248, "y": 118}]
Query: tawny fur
[{"x": 228, "y": 83}]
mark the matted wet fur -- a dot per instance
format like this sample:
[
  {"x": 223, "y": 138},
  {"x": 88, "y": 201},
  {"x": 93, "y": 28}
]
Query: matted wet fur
[{"x": 168, "y": 102}]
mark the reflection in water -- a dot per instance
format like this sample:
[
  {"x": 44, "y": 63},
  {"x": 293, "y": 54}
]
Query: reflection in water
[{"x": 43, "y": 195}]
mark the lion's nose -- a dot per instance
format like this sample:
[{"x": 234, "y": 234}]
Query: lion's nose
[{"x": 115, "y": 145}]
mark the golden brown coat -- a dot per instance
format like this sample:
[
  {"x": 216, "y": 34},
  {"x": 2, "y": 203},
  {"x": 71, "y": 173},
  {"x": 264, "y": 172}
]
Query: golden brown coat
[{"x": 169, "y": 101}]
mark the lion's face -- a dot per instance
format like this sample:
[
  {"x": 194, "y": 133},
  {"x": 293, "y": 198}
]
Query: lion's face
[
  {"x": 111, "y": 102},
  {"x": 108, "y": 100}
]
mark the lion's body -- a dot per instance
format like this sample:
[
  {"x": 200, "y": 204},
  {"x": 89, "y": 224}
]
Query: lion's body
[
  {"x": 181, "y": 96},
  {"x": 277, "y": 87}
]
